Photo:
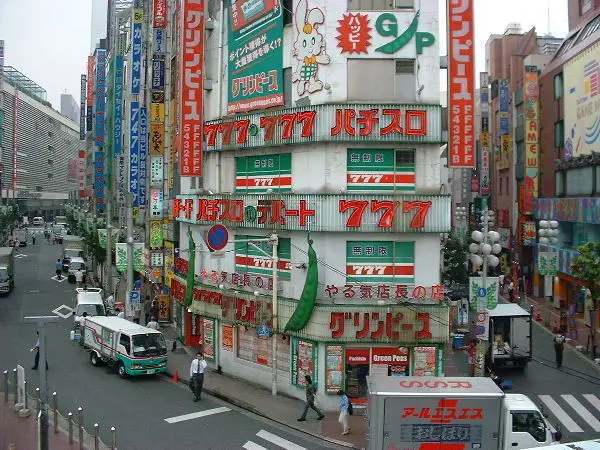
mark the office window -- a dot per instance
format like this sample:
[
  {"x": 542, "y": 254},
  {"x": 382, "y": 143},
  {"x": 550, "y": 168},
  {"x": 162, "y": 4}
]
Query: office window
[
  {"x": 395, "y": 81},
  {"x": 558, "y": 86},
  {"x": 559, "y": 133},
  {"x": 288, "y": 11},
  {"x": 585, "y": 6}
]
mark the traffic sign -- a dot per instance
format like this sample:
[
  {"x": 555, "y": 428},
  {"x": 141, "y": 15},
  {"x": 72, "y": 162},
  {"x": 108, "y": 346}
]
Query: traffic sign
[{"x": 217, "y": 237}]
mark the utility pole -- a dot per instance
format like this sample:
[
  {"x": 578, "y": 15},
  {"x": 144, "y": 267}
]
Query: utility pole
[
  {"x": 275, "y": 242},
  {"x": 129, "y": 249},
  {"x": 41, "y": 322}
]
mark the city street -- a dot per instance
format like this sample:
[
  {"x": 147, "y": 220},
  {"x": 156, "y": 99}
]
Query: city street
[{"x": 148, "y": 413}]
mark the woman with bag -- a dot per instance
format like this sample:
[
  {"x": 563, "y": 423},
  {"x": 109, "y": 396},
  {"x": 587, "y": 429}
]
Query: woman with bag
[
  {"x": 344, "y": 411},
  {"x": 310, "y": 400}
]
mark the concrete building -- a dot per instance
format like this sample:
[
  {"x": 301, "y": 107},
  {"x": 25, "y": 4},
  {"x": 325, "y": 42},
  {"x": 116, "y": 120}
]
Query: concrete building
[
  {"x": 39, "y": 148},
  {"x": 69, "y": 107},
  {"x": 570, "y": 161},
  {"x": 318, "y": 143}
]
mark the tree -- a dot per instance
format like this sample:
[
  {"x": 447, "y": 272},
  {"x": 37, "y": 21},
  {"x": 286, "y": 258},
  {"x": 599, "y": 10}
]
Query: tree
[
  {"x": 455, "y": 258},
  {"x": 93, "y": 248},
  {"x": 586, "y": 267}
]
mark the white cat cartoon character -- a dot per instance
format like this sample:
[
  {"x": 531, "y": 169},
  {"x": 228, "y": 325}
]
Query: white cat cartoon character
[{"x": 309, "y": 48}]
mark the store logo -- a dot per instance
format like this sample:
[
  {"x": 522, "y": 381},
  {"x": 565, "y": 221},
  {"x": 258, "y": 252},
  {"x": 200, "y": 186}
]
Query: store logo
[
  {"x": 357, "y": 359},
  {"x": 447, "y": 411}
]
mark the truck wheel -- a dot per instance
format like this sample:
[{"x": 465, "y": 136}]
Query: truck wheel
[
  {"x": 94, "y": 359},
  {"x": 121, "y": 370}
]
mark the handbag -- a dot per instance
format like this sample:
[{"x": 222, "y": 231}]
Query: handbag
[{"x": 191, "y": 384}]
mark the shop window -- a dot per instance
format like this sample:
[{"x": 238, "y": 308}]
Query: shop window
[
  {"x": 258, "y": 350},
  {"x": 288, "y": 12},
  {"x": 558, "y": 86},
  {"x": 381, "y": 170},
  {"x": 248, "y": 259},
  {"x": 260, "y": 174},
  {"x": 383, "y": 262},
  {"x": 396, "y": 80},
  {"x": 357, "y": 370},
  {"x": 304, "y": 362},
  {"x": 559, "y": 134}
]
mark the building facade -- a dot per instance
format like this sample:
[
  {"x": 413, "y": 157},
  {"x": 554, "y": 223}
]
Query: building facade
[
  {"x": 69, "y": 107},
  {"x": 40, "y": 148},
  {"x": 302, "y": 141}
]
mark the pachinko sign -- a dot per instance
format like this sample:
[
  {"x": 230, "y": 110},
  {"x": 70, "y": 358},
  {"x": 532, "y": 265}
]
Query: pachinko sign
[
  {"x": 461, "y": 84},
  {"x": 192, "y": 85}
]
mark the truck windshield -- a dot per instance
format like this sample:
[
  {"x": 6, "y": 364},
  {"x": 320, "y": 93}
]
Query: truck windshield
[
  {"x": 73, "y": 254},
  {"x": 3, "y": 274},
  {"x": 91, "y": 310},
  {"x": 150, "y": 344},
  {"x": 530, "y": 422}
]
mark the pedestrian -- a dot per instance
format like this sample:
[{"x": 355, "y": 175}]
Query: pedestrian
[
  {"x": 120, "y": 313},
  {"x": 147, "y": 306},
  {"x": 310, "y": 400},
  {"x": 58, "y": 269},
  {"x": 197, "y": 375},
  {"x": 110, "y": 301},
  {"x": 154, "y": 309},
  {"x": 153, "y": 324},
  {"x": 36, "y": 347},
  {"x": 559, "y": 346},
  {"x": 511, "y": 291},
  {"x": 33, "y": 238},
  {"x": 556, "y": 438},
  {"x": 79, "y": 277},
  {"x": 343, "y": 419},
  {"x": 137, "y": 312},
  {"x": 471, "y": 350}
]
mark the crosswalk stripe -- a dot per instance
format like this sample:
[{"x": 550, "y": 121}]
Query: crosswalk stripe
[
  {"x": 560, "y": 414},
  {"x": 206, "y": 412},
  {"x": 279, "y": 440},
  {"x": 582, "y": 411},
  {"x": 253, "y": 446},
  {"x": 593, "y": 400}
]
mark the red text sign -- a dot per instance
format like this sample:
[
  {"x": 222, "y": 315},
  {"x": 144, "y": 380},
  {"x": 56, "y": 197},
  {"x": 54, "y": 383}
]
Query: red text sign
[
  {"x": 373, "y": 326},
  {"x": 160, "y": 13},
  {"x": 385, "y": 291},
  {"x": 447, "y": 411}
]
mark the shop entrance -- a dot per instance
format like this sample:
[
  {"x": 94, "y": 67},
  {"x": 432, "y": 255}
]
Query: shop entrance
[{"x": 357, "y": 369}]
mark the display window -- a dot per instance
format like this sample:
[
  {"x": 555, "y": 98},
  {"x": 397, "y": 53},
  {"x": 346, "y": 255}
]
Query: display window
[
  {"x": 250, "y": 347},
  {"x": 200, "y": 333},
  {"x": 425, "y": 362},
  {"x": 304, "y": 361},
  {"x": 357, "y": 369},
  {"x": 334, "y": 368},
  {"x": 390, "y": 361}
]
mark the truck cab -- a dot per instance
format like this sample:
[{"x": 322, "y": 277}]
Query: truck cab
[
  {"x": 524, "y": 425},
  {"x": 74, "y": 265},
  {"x": 7, "y": 269}
]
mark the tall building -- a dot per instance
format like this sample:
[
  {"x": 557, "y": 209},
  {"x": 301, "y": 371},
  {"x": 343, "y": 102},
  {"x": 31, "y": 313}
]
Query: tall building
[
  {"x": 69, "y": 107},
  {"x": 39, "y": 148},
  {"x": 314, "y": 132}
]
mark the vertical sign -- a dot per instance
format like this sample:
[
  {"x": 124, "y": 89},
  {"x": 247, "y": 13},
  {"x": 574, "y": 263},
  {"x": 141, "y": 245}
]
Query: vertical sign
[
  {"x": 158, "y": 74},
  {"x": 504, "y": 126},
  {"x": 160, "y": 14},
  {"x": 160, "y": 42},
  {"x": 82, "y": 107},
  {"x": 531, "y": 89},
  {"x": 136, "y": 59},
  {"x": 90, "y": 94},
  {"x": 99, "y": 180},
  {"x": 134, "y": 150},
  {"x": 461, "y": 84},
  {"x": 15, "y": 142},
  {"x": 118, "y": 106},
  {"x": 1, "y": 61},
  {"x": 81, "y": 173},
  {"x": 143, "y": 158},
  {"x": 484, "y": 138},
  {"x": 100, "y": 100},
  {"x": 192, "y": 88}
]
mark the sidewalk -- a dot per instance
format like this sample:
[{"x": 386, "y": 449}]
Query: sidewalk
[{"x": 252, "y": 397}]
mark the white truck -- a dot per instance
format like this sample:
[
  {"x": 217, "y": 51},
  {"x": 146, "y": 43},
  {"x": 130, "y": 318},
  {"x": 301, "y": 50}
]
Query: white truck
[
  {"x": 580, "y": 445},
  {"x": 130, "y": 348},
  {"x": 510, "y": 335},
  {"x": 7, "y": 269},
  {"x": 433, "y": 413},
  {"x": 72, "y": 247}
]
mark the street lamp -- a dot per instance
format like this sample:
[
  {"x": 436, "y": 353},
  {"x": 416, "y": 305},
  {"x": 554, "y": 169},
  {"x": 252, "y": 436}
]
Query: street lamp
[
  {"x": 548, "y": 232},
  {"x": 460, "y": 216}
]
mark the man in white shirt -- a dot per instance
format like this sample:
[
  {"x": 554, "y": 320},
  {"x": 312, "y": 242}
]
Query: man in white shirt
[
  {"x": 153, "y": 324},
  {"x": 79, "y": 277},
  {"x": 197, "y": 375}
]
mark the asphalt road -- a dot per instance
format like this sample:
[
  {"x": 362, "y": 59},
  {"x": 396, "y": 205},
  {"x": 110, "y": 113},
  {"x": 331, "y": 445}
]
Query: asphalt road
[
  {"x": 570, "y": 396},
  {"x": 136, "y": 407}
]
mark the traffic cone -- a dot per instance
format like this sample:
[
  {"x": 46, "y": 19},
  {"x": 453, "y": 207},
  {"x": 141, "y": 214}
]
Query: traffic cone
[
  {"x": 176, "y": 377},
  {"x": 538, "y": 316}
]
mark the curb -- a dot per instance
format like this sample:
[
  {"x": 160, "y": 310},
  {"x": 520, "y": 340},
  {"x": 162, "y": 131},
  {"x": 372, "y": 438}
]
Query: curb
[{"x": 250, "y": 408}]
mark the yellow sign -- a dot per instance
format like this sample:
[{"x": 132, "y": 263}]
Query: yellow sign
[
  {"x": 157, "y": 139},
  {"x": 138, "y": 15},
  {"x": 506, "y": 144},
  {"x": 485, "y": 139},
  {"x": 157, "y": 112},
  {"x": 502, "y": 164},
  {"x": 531, "y": 90},
  {"x": 169, "y": 259}
]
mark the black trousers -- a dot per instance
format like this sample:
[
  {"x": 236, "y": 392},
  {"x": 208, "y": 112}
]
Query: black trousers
[
  {"x": 559, "y": 356},
  {"x": 198, "y": 382},
  {"x": 37, "y": 360}
]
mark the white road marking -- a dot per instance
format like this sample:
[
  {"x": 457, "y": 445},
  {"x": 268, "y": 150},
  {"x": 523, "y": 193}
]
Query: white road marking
[
  {"x": 582, "y": 411},
  {"x": 56, "y": 279},
  {"x": 34, "y": 291},
  {"x": 560, "y": 414},
  {"x": 66, "y": 315},
  {"x": 279, "y": 440},
  {"x": 207, "y": 412},
  {"x": 593, "y": 400},
  {"x": 253, "y": 446}
]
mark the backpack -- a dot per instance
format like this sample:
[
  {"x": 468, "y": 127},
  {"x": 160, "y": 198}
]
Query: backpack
[{"x": 350, "y": 410}]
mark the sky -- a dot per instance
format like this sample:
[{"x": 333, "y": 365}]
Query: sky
[{"x": 49, "y": 40}]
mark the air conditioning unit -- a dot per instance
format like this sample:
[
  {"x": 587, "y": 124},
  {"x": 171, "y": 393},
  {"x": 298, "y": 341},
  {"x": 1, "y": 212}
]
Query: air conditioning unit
[
  {"x": 208, "y": 84},
  {"x": 209, "y": 25}
]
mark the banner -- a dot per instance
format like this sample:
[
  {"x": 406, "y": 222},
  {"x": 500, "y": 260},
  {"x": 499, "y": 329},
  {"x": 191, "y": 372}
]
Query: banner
[
  {"x": 169, "y": 251},
  {"x": 82, "y": 107},
  {"x": 89, "y": 114},
  {"x": 99, "y": 180},
  {"x": 100, "y": 99},
  {"x": 480, "y": 298},
  {"x": 192, "y": 88},
  {"x": 121, "y": 256},
  {"x": 484, "y": 137},
  {"x": 160, "y": 14},
  {"x": 160, "y": 42},
  {"x": 158, "y": 74},
  {"x": 81, "y": 173},
  {"x": 548, "y": 263},
  {"x": 255, "y": 66},
  {"x": 461, "y": 86},
  {"x": 134, "y": 150},
  {"x": 531, "y": 106},
  {"x": 136, "y": 58},
  {"x": 118, "y": 106},
  {"x": 143, "y": 158}
]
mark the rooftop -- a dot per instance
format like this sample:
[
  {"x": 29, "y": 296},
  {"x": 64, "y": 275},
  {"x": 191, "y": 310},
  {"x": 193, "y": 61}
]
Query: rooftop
[{"x": 25, "y": 84}]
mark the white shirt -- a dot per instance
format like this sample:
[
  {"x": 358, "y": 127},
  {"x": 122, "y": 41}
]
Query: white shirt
[
  {"x": 197, "y": 366},
  {"x": 79, "y": 276},
  {"x": 152, "y": 324},
  {"x": 110, "y": 300},
  {"x": 121, "y": 315}
]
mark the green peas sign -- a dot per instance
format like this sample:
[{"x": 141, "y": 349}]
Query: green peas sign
[{"x": 385, "y": 35}]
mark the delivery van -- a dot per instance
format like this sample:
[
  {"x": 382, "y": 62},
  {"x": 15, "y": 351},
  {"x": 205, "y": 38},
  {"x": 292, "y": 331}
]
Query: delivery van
[
  {"x": 580, "y": 445},
  {"x": 88, "y": 303}
]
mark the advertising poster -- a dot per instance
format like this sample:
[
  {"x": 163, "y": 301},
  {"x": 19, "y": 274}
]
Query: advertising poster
[
  {"x": 192, "y": 88},
  {"x": 227, "y": 338},
  {"x": 163, "y": 308},
  {"x": 209, "y": 338},
  {"x": 255, "y": 55},
  {"x": 136, "y": 59},
  {"x": 118, "y": 105},
  {"x": 81, "y": 108},
  {"x": 89, "y": 114},
  {"x": 100, "y": 98},
  {"x": 156, "y": 204},
  {"x": 169, "y": 250},
  {"x": 531, "y": 91},
  {"x": 304, "y": 361},
  {"x": 334, "y": 368},
  {"x": 156, "y": 234},
  {"x": 99, "y": 180},
  {"x": 134, "y": 150},
  {"x": 158, "y": 74},
  {"x": 390, "y": 361},
  {"x": 424, "y": 361},
  {"x": 143, "y": 158},
  {"x": 160, "y": 14}
]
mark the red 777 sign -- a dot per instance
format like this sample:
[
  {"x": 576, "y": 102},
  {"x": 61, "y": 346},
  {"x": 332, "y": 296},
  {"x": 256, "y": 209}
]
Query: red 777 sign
[{"x": 388, "y": 208}]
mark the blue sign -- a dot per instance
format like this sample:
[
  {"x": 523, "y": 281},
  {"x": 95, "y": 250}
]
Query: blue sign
[
  {"x": 217, "y": 237},
  {"x": 481, "y": 292},
  {"x": 504, "y": 128},
  {"x": 136, "y": 58},
  {"x": 160, "y": 41},
  {"x": 504, "y": 125},
  {"x": 134, "y": 151},
  {"x": 99, "y": 180},
  {"x": 118, "y": 106},
  {"x": 263, "y": 331},
  {"x": 100, "y": 97},
  {"x": 158, "y": 74},
  {"x": 134, "y": 296},
  {"x": 143, "y": 157}
]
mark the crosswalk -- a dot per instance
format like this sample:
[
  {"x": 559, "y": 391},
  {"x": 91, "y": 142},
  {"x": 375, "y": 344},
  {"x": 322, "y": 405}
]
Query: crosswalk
[
  {"x": 273, "y": 439},
  {"x": 579, "y": 413}
]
